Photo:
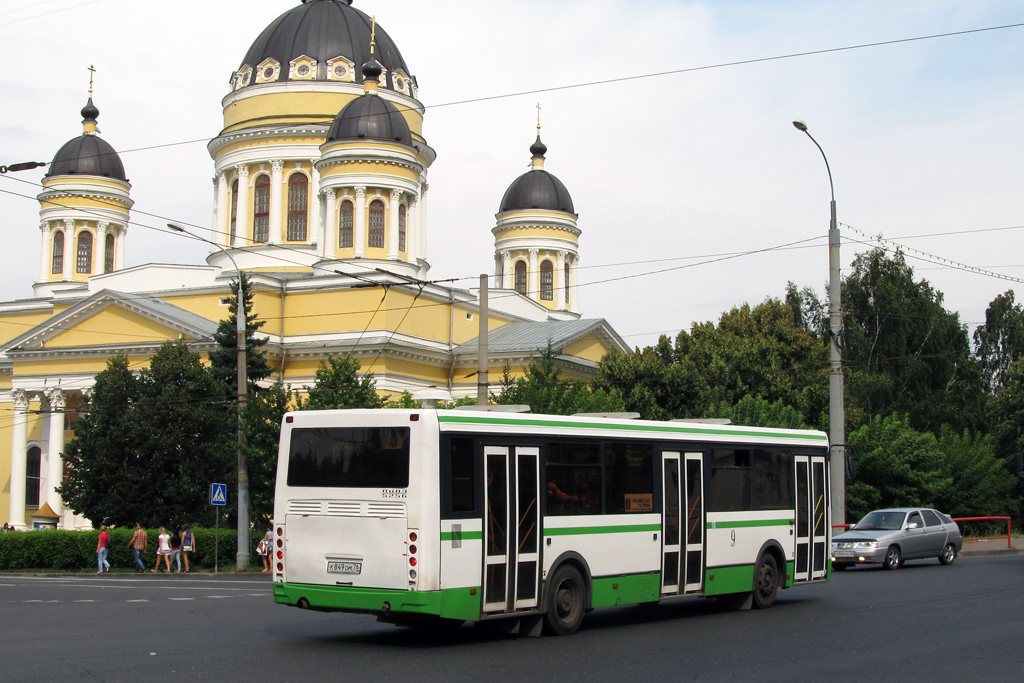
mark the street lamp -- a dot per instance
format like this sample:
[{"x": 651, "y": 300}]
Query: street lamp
[
  {"x": 242, "y": 557},
  {"x": 836, "y": 398}
]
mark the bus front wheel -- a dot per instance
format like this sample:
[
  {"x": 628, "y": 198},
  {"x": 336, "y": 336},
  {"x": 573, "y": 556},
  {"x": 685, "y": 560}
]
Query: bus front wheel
[
  {"x": 564, "y": 596},
  {"x": 766, "y": 582}
]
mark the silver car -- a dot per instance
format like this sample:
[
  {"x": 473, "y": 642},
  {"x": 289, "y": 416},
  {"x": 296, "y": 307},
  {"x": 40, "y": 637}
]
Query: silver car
[{"x": 888, "y": 537}]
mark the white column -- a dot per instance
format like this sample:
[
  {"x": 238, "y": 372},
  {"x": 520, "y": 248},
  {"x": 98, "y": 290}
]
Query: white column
[
  {"x": 574, "y": 297},
  {"x": 315, "y": 220},
  {"x": 119, "y": 237},
  {"x": 559, "y": 281},
  {"x": 223, "y": 215},
  {"x": 242, "y": 227},
  {"x": 330, "y": 224},
  {"x": 359, "y": 238},
  {"x": 99, "y": 249},
  {"x": 45, "y": 251},
  {"x": 508, "y": 270},
  {"x": 412, "y": 227},
  {"x": 277, "y": 209},
  {"x": 19, "y": 457},
  {"x": 533, "y": 278},
  {"x": 54, "y": 464},
  {"x": 421, "y": 232},
  {"x": 70, "y": 249},
  {"x": 396, "y": 197}
]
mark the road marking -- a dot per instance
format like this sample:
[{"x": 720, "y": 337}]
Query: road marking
[
  {"x": 218, "y": 596},
  {"x": 83, "y": 601},
  {"x": 136, "y": 600},
  {"x": 181, "y": 598}
]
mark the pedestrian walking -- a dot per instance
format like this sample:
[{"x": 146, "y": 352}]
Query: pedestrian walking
[
  {"x": 163, "y": 550},
  {"x": 102, "y": 548},
  {"x": 264, "y": 549},
  {"x": 188, "y": 544},
  {"x": 175, "y": 555},
  {"x": 139, "y": 543}
]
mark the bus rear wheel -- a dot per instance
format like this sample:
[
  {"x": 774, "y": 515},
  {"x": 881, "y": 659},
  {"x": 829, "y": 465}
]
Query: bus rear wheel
[
  {"x": 766, "y": 582},
  {"x": 565, "y": 594}
]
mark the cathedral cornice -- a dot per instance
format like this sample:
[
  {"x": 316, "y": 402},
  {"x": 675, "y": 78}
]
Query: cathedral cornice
[
  {"x": 318, "y": 130},
  {"x": 51, "y": 194}
]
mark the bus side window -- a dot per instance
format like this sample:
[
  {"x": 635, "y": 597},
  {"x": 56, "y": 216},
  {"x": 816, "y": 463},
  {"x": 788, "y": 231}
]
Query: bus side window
[
  {"x": 773, "y": 480},
  {"x": 730, "y": 480},
  {"x": 463, "y": 475},
  {"x": 573, "y": 478},
  {"x": 629, "y": 477}
]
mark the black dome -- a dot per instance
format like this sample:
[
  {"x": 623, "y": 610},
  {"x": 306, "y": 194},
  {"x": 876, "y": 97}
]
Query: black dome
[
  {"x": 370, "y": 116},
  {"x": 322, "y": 30},
  {"x": 537, "y": 189},
  {"x": 87, "y": 155}
]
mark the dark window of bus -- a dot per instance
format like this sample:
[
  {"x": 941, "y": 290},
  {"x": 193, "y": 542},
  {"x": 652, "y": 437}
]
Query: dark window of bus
[
  {"x": 463, "y": 475},
  {"x": 773, "y": 480},
  {"x": 629, "y": 477},
  {"x": 349, "y": 457},
  {"x": 730, "y": 480},
  {"x": 573, "y": 478}
]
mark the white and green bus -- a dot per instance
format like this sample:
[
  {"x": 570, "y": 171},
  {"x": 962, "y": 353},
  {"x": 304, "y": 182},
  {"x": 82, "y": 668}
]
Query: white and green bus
[{"x": 530, "y": 521}]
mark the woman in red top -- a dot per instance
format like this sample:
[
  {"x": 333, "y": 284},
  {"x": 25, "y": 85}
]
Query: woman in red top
[{"x": 102, "y": 548}]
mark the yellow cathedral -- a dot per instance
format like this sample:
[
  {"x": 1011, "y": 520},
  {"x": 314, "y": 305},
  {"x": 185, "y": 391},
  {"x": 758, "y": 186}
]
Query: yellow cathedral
[{"x": 320, "y": 176}]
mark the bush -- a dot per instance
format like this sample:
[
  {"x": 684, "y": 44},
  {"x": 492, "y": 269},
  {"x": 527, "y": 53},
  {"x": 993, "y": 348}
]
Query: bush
[{"x": 75, "y": 551}]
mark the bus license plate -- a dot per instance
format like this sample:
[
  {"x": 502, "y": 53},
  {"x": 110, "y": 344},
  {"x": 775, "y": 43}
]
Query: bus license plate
[
  {"x": 844, "y": 553},
  {"x": 335, "y": 567}
]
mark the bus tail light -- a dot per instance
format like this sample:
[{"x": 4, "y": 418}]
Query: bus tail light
[
  {"x": 279, "y": 553},
  {"x": 411, "y": 551}
]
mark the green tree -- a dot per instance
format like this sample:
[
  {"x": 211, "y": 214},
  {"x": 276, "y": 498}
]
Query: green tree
[
  {"x": 338, "y": 385},
  {"x": 755, "y": 411},
  {"x": 896, "y": 465},
  {"x": 150, "y": 446},
  {"x": 546, "y": 392},
  {"x": 1007, "y": 419},
  {"x": 224, "y": 359},
  {"x": 651, "y": 381},
  {"x": 1000, "y": 341},
  {"x": 981, "y": 484},
  {"x": 904, "y": 352},
  {"x": 263, "y": 415}
]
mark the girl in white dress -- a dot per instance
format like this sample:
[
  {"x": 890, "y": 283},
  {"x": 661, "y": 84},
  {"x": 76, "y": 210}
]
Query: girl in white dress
[{"x": 163, "y": 550}]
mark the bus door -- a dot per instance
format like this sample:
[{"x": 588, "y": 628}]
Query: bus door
[
  {"x": 511, "y": 529},
  {"x": 683, "y": 523},
  {"x": 812, "y": 537}
]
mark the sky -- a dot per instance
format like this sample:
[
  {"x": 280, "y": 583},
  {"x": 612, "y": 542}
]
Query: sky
[{"x": 694, "y": 191}]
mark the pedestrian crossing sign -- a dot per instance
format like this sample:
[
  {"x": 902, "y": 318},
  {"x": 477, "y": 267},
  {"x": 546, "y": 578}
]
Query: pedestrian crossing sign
[{"x": 218, "y": 494}]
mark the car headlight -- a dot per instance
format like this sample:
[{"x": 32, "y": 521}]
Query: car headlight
[{"x": 864, "y": 545}]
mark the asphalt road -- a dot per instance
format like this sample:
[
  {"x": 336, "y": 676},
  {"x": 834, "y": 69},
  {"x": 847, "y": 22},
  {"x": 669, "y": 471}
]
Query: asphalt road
[{"x": 924, "y": 622}]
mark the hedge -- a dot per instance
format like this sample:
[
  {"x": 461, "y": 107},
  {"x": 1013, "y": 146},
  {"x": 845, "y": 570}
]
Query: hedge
[{"x": 76, "y": 550}]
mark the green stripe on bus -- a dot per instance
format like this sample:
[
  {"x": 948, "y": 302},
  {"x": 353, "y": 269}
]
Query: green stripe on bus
[
  {"x": 464, "y": 535},
  {"x": 750, "y": 523},
  {"x": 639, "y": 427},
  {"x": 582, "y": 530}
]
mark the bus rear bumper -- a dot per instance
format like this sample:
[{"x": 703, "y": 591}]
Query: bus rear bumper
[{"x": 378, "y": 601}]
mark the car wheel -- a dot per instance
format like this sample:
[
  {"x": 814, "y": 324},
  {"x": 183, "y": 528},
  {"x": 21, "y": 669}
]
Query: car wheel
[
  {"x": 948, "y": 555},
  {"x": 766, "y": 582},
  {"x": 893, "y": 558},
  {"x": 565, "y": 594},
  {"x": 840, "y": 566}
]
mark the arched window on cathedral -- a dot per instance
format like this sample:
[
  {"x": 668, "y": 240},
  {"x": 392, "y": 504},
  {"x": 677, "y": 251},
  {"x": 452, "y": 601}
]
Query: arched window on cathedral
[
  {"x": 58, "y": 253},
  {"x": 547, "y": 280},
  {"x": 232, "y": 226},
  {"x": 32, "y": 476},
  {"x": 567, "y": 284},
  {"x": 345, "y": 219},
  {"x": 520, "y": 279},
  {"x": 298, "y": 207},
  {"x": 261, "y": 209},
  {"x": 402, "y": 218},
  {"x": 84, "y": 263},
  {"x": 376, "y": 224},
  {"x": 108, "y": 254}
]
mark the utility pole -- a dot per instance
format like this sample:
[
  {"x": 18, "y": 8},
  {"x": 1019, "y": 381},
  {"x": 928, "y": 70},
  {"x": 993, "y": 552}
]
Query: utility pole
[{"x": 481, "y": 351}]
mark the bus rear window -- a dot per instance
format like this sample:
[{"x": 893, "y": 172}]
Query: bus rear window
[{"x": 349, "y": 457}]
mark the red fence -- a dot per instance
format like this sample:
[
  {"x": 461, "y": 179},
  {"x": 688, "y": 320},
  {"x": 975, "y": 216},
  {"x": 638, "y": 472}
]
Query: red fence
[{"x": 964, "y": 519}]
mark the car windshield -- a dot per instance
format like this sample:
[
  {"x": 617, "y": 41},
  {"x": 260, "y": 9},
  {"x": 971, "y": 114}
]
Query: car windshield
[{"x": 886, "y": 520}]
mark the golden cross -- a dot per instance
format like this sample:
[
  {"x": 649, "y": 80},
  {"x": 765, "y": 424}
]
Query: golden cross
[
  {"x": 92, "y": 71},
  {"x": 373, "y": 33},
  {"x": 538, "y": 118}
]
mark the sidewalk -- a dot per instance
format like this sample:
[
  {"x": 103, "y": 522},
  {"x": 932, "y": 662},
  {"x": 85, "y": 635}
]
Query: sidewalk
[{"x": 996, "y": 546}]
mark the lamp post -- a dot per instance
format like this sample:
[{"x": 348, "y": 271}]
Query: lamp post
[
  {"x": 836, "y": 397},
  {"x": 242, "y": 557}
]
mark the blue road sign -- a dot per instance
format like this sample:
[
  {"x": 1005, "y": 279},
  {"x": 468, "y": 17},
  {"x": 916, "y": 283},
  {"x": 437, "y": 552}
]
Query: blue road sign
[{"x": 218, "y": 494}]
